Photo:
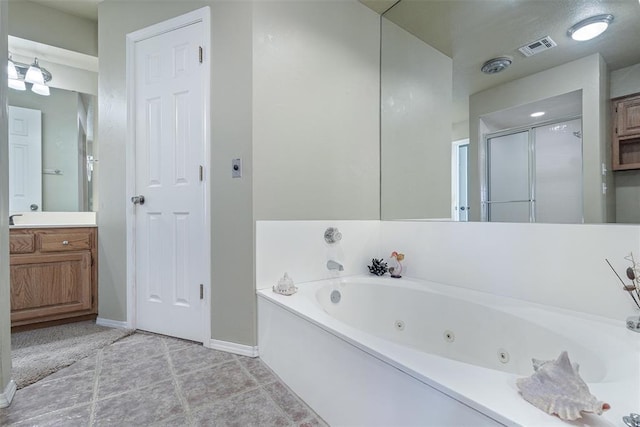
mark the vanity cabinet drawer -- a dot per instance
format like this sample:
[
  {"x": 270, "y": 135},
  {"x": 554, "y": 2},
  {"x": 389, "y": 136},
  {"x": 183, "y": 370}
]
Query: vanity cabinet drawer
[
  {"x": 22, "y": 243},
  {"x": 64, "y": 242}
]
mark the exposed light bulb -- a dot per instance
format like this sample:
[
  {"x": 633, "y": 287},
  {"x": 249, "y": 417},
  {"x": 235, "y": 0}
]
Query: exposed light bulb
[
  {"x": 590, "y": 31},
  {"x": 17, "y": 84},
  {"x": 11, "y": 70},
  {"x": 34, "y": 74},
  {"x": 40, "y": 89}
]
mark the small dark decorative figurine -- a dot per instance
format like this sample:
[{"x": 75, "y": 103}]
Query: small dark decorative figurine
[{"x": 378, "y": 267}]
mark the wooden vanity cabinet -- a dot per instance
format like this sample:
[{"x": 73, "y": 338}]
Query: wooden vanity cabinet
[
  {"x": 626, "y": 133},
  {"x": 54, "y": 275}
]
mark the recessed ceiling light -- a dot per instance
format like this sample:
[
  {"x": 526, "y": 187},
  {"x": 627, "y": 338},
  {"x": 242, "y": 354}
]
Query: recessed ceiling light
[
  {"x": 590, "y": 27},
  {"x": 537, "y": 114}
]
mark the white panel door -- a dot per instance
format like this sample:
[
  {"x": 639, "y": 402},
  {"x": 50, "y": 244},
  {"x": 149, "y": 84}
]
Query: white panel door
[
  {"x": 169, "y": 152},
  {"x": 25, "y": 160}
]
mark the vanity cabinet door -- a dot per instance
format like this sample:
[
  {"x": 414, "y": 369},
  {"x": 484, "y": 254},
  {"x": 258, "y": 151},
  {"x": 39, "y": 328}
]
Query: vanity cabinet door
[
  {"x": 628, "y": 114},
  {"x": 49, "y": 285},
  {"x": 626, "y": 133}
]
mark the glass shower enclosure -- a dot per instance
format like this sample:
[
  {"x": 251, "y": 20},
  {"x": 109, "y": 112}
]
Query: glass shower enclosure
[{"x": 534, "y": 174}]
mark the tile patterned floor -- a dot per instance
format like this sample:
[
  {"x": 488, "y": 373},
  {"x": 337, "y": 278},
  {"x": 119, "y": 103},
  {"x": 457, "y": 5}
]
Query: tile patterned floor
[{"x": 152, "y": 380}]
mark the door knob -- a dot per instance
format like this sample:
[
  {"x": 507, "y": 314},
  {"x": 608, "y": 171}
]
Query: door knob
[
  {"x": 33, "y": 207},
  {"x": 462, "y": 208},
  {"x": 138, "y": 200}
]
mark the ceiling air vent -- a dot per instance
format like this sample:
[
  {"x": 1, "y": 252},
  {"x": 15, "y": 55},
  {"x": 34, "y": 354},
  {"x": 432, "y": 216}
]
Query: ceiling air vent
[{"x": 537, "y": 46}]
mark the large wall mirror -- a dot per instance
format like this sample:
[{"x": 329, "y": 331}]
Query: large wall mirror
[
  {"x": 51, "y": 138},
  {"x": 461, "y": 144}
]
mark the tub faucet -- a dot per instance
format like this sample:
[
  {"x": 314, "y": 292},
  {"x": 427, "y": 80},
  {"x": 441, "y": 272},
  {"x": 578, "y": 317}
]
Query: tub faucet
[{"x": 333, "y": 265}]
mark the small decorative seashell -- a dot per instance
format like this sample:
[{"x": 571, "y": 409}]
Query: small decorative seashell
[
  {"x": 556, "y": 388},
  {"x": 285, "y": 286},
  {"x": 631, "y": 274}
]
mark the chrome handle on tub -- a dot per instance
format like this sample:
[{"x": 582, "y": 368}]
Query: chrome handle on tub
[
  {"x": 633, "y": 420},
  {"x": 65, "y": 242}
]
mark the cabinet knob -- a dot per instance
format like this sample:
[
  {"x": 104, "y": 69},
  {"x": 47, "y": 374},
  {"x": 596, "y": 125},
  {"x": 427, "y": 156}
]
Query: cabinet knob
[{"x": 65, "y": 242}]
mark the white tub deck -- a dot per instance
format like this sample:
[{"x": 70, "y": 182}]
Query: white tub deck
[{"x": 325, "y": 361}]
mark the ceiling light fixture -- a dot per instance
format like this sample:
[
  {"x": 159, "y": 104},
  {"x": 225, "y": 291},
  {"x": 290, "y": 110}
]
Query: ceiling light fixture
[
  {"x": 538, "y": 114},
  {"x": 20, "y": 73},
  {"x": 590, "y": 28},
  {"x": 496, "y": 65}
]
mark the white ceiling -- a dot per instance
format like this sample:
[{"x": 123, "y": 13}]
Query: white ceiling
[{"x": 474, "y": 31}]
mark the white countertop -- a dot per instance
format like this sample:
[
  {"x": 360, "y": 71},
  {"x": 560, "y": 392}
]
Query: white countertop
[{"x": 54, "y": 220}]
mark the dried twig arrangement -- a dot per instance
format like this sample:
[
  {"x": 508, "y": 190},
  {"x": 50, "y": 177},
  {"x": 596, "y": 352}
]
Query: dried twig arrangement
[{"x": 633, "y": 274}]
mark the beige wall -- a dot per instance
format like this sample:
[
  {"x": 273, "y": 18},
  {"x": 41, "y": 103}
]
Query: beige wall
[
  {"x": 281, "y": 110},
  {"x": 233, "y": 309},
  {"x": 625, "y": 81},
  {"x": 33, "y": 21},
  {"x": 588, "y": 74},
  {"x": 5, "y": 308},
  {"x": 415, "y": 127},
  {"x": 315, "y": 110}
]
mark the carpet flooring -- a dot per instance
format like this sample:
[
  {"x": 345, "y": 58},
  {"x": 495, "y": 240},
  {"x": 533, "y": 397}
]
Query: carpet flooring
[{"x": 38, "y": 353}]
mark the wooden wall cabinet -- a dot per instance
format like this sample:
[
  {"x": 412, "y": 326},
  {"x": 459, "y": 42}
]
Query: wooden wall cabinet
[
  {"x": 54, "y": 275},
  {"x": 626, "y": 133}
]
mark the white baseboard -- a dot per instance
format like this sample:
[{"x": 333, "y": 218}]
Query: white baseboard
[
  {"x": 231, "y": 347},
  {"x": 7, "y": 395},
  {"x": 112, "y": 323}
]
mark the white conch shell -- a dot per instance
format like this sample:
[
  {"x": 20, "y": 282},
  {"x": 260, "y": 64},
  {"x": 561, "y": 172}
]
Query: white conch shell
[{"x": 556, "y": 388}]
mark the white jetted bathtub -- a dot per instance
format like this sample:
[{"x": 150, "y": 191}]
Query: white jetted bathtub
[{"x": 373, "y": 351}]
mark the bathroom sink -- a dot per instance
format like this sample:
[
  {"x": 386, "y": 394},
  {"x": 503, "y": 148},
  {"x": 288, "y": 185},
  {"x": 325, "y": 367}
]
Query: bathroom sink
[{"x": 53, "y": 219}]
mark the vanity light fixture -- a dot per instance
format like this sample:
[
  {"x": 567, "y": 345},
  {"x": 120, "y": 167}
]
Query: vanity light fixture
[
  {"x": 12, "y": 72},
  {"x": 590, "y": 28},
  {"x": 20, "y": 73},
  {"x": 538, "y": 114}
]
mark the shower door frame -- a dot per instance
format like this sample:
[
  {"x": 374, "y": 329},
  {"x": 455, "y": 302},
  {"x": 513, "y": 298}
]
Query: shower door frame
[{"x": 485, "y": 166}]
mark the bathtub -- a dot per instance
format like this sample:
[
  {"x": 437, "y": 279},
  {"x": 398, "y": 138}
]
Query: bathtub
[{"x": 393, "y": 352}]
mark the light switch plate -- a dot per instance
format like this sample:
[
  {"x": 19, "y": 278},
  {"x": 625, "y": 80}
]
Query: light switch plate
[{"x": 236, "y": 168}]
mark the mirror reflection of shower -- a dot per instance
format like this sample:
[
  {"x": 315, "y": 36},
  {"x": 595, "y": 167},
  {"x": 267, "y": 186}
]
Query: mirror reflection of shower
[
  {"x": 535, "y": 175},
  {"x": 532, "y": 168}
]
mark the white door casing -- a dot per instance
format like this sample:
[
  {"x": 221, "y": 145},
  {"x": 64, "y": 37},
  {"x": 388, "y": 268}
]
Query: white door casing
[
  {"x": 169, "y": 235},
  {"x": 25, "y": 159}
]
